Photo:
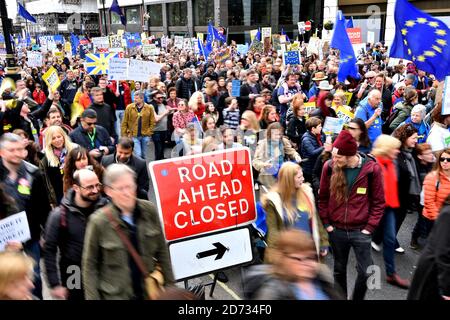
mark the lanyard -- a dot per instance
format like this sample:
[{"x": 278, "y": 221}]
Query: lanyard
[{"x": 92, "y": 138}]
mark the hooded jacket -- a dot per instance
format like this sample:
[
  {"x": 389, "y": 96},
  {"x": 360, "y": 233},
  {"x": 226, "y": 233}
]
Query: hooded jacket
[{"x": 364, "y": 206}]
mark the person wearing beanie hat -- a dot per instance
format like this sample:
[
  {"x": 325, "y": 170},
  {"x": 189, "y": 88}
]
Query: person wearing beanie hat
[{"x": 351, "y": 205}]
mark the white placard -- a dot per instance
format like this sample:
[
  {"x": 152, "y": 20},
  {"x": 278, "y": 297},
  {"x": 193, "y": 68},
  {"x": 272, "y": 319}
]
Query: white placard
[
  {"x": 266, "y": 33},
  {"x": 187, "y": 44},
  {"x": 206, "y": 254},
  {"x": 118, "y": 68},
  {"x": 301, "y": 27},
  {"x": 115, "y": 41},
  {"x": 139, "y": 70},
  {"x": 100, "y": 42},
  {"x": 35, "y": 59},
  {"x": 371, "y": 37},
  {"x": 179, "y": 40},
  {"x": 14, "y": 228}
]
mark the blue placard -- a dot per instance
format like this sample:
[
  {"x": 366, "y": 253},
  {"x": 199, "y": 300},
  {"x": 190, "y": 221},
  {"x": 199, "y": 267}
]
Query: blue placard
[
  {"x": 236, "y": 88},
  {"x": 242, "y": 49},
  {"x": 292, "y": 57}
]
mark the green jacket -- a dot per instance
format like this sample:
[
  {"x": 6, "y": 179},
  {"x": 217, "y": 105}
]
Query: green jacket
[
  {"x": 403, "y": 114},
  {"x": 105, "y": 268}
]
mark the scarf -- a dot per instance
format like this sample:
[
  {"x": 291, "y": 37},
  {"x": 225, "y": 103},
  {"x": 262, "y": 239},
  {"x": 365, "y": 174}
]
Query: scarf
[
  {"x": 390, "y": 182},
  {"x": 414, "y": 185},
  {"x": 319, "y": 139}
]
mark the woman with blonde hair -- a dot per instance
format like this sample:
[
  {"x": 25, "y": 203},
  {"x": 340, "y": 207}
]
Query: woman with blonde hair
[
  {"x": 57, "y": 146},
  {"x": 248, "y": 131},
  {"x": 268, "y": 116},
  {"x": 294, "y": 272},
  {"x": 197, "y": 104},
  {"x": 290, "y": 203},
  {"x": 386, "y": 150},
  {"x": 16, "y": 273}
]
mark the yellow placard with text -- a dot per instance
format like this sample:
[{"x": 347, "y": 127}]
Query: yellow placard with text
[
  {"x": 51, "y": 79},
  {"x": 343, "y": 113}
]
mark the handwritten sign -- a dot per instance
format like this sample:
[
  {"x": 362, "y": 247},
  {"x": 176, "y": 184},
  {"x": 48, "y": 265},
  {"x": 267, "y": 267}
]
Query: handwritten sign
[
  {"x": 179, "y": 41},
  {"x": 266, "y": 32},
  {"x": 14, "y": 228},
  {"x": 118, "y": 69},
  {"x": 35, "y": 59},
  {"x": 333, "y": 125},
  {"x": 139, "y": 70}
]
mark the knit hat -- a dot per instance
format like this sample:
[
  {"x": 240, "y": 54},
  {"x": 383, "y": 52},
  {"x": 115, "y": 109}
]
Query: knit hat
[{"x": 345, "y": 144}]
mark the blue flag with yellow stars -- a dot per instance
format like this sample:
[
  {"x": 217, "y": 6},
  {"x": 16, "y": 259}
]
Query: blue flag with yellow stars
[
  {"x": 341, "y": 41},
  {"x": 422, "y": 39}
]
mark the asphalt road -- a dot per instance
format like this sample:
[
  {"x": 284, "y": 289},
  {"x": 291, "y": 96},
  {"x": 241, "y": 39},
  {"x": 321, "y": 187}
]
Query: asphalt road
[{"x": 233, "y": 289}]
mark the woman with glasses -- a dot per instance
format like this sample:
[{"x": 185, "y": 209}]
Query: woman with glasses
[
  {"x": 358, "y": 130},
  {"x": 436, "y": 187},
  {"x": 57, "y": 146},
  {"x": 418, "y": 113},
  {"x": 424, "y": 163},
  {"x": 79, "y": 158},
  {"x": 293, "y": 272}
]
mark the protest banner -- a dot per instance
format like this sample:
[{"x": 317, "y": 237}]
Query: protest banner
[
  {"x": 14, "y": 228},
  {"x": 100, "y": 43},
  {"x": 223, "y": 56},
  {"x": 118, "y": 69},
  {"x": 333, "y": 125},
  {"x": 266, "y": 33},
  {"x": 98, "y": 63},
  {"x": 236, "y": 88},
  {"x": 343, "y": 113},
  {"x": 60, "y": 56},
  {"x": 140, "y": 70},
  {"x": 204, "y": 193},
  {"x": 283, "y": 38},
  {"x": 354, "y": 34},
  {"x": 35, "y": 59},
  {"x": 267, "y": 45},
  {"x": 51, "y": 79}
]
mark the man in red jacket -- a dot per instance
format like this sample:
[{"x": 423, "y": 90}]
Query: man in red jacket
[{"x": 351, "y": 204}]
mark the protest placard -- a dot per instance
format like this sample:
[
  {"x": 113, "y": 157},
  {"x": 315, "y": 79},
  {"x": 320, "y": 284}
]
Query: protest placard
[
  {"x": 276, "y": 42},
  {"x": 100, "y": 43},
  {"x": 14, "y": 228},
  {"x": 140, "y": 70},
  {"x": 223, "y": 56},
  {"x": 35, "y": 59},
  {"x": 236, "y": 88},
  {"x": 242, "y": 49},
  {"x": 292, "y": 57},
  {"x": 343, "y": 113},
  {"x": 118, "y": 69},
  {"x": 333, "y": 125},
  {"x": 51, "y": 79},
  {"x": 115, "y": 41},
  {"x": 253, "y": 34},
  {"x": 179, "y": 40},
  {"x": 187, "y": 44},
  {"x": 266, "y": 33},
  {"x": 256, "y": 46}
]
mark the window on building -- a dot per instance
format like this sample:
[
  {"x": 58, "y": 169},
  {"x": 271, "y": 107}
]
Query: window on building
[
  {"x": 115, "y": 19},
  {"x": 261, "y": 12},
  {"x": 133, "y": 15},
  {"x": 236, "y": 13},
  {"x": 289, "y": 11},
  {"x": 177, "y": 13},
  {"x": 156, "y": 16},
  {"x": 249, "y": 12},
  {"x": 203, "y": 12}
]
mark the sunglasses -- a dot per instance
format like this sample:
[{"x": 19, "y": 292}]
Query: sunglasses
[{"x": 443, "y": 159}]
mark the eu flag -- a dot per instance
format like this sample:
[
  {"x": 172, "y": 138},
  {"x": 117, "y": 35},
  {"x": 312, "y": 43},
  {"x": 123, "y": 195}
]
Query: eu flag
[
  {"x": 116, "y": 9},
  {"x": 422, "y": 39},
  {"x": 347, "y": 59},
  {"x": 350, "y": 23},
  {"x": 25, "y": 14}
]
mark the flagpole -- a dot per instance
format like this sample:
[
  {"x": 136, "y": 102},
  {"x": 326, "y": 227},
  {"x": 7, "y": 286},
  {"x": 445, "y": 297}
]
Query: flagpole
[{"x": 104, "y": 16}]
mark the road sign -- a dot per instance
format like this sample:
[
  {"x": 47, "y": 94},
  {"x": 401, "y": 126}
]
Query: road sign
[
  {"x": 204, "y": 193},
  {"x": 194, "y": 257},
  {"x": 308, "y": 25}
]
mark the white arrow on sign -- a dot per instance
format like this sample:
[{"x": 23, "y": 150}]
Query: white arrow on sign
[{"x": 202, "y": 255}]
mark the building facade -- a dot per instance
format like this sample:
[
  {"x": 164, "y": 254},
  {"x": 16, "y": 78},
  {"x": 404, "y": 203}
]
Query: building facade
[
  {"x": 63, "y": 17},
  {"x": 187, "y": 17}
]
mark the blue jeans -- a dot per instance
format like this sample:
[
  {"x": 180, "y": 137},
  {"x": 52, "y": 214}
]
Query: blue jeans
[
  {"x": 389, "y": 240},
  {"x": 341, "y": 242},
  {"x": 141, "y": 146},
  {"x": 33, "y": 249},
  {"x": 119, "y": 118}
]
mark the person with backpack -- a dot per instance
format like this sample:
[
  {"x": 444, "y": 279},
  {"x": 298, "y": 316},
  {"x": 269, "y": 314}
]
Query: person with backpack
[
  {"x": 402, "y": 110},
  {"x": 351, "y": 205},
  {"x": 65, "y": 231}
]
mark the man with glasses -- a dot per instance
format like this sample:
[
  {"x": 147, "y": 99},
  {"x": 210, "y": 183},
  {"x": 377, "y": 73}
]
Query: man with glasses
[
  {"x": 65, "y": 231},
  {"x": 370, "y": 112},
  {"x": 24, "y": 183},
  {"x": 91, "y": 136},
  {"x": 364, "y": 88},
  {"x": 161, "y": 135},
  {"x": 139, "y": 123},
  {"x": 109, "y": 271}
]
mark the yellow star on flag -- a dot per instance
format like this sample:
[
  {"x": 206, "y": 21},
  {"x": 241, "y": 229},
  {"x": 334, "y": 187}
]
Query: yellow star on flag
[
  {"x": 421, "y": 58},
  {"x": 422, "y": 20},
  {"x": 429, "y": 53},
  {"x": 436, "y": 48},
  {"x": 404, "y": 32},
  {"x": 440, "y": 32},
  {"x": 442, "y": 42},
  {"x": 410, "y": 23},
  {"x": 433, "y": 24}
]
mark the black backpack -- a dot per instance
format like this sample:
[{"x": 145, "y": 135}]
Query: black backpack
[{"x": 385, "y": 128}]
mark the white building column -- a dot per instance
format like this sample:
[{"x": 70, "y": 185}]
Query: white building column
[
  {"x": 390, "y": 23},
  {"x": 330, "y": 8}
]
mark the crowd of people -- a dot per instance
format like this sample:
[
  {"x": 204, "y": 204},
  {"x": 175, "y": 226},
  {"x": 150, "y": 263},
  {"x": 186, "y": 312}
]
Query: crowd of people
[{"x": 75, "y": 160}]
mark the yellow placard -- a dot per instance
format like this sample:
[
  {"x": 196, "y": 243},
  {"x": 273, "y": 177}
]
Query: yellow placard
[
  {"x": 200, "y": 36},
  {"x": 120, "y": 32},
  {"x": 253, "y": 34},
  {"x": 343, "y": 113},
  {"x": 60, "y": 56},
  {"x": 68, "y": 47},
  {"x": 51, "y": 79}
]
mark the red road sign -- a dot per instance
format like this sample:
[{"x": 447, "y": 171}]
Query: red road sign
[
  {"x": 308, "y": 25},
  {"x": 204, "y": 193}
]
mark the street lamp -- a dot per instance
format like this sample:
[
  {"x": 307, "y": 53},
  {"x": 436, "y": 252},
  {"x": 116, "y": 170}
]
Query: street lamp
[{"x": 11, "y": 69}]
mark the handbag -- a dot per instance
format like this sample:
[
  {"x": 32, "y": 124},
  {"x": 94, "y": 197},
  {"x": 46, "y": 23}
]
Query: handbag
[{"x": 154, "y": 282}]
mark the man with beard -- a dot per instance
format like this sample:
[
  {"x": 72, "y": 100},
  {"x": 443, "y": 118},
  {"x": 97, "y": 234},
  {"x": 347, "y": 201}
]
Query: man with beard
[
  {"x": 124, "y": 154},
  {"x": 54, "y": 118},
  {"x": 65, "y": 231}
]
